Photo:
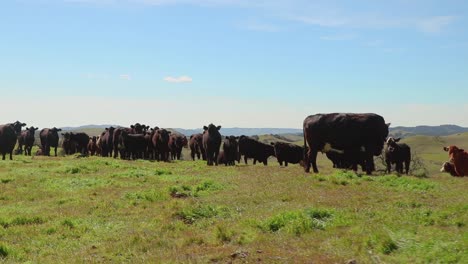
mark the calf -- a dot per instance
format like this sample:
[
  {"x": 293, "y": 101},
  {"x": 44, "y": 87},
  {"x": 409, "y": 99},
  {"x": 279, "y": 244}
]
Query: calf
[
  {"x": 288, "y": 153},
  {"x": 397, "y": 153},
  {"x": 255, "y": 149},
  {"x": 27, "y": 139},
  {"x": 92, "y": 146},
  {"x": 459, "y": 159},
  {"x": 230, "y": 150}
]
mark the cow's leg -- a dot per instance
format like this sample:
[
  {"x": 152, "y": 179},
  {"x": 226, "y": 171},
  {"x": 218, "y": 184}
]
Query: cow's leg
[
  {"x": 407, "y": 166},
  {"x": 389, "y": 166},
  {"x": 280, "y": 162},
  {"x": 369, "y": 163},
  {"x": 255, "y": 161},
  {"x": 306, "y": 160},
  {"x": 313, "y": 159},
  {"x": 245, "y": 159},
  {"x": 285, "y": 163},
  {"x": 265, "y": 162},
  {"x": 11, "y": 155},
  {"x": 3, "y": 156}
]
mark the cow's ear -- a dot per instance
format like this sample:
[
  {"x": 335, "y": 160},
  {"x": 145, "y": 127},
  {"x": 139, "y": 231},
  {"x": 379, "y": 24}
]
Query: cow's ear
[
  {"x": 205, "y": 128},
  {"x": 272, "y": 143},
  {"x": 62, "y": 134},
  {"x": 59, "y": 129},
  {"x": 107, "y": 128},
  {"x": 147, "y": 127},
  {"x": 36, "y": 128},
  {"x": 388, "y": 124},
  {"x": 397, "y": 139},
  {"x": 446, "y": 149},
  {"x": 218, "y": 127},
  {"x": 236, "y": 137},
  {"x": 132, "y": 126},
  {"x": 168, "y": 132},
  {"x": 461, "y": 150},
  {"x": 23, "y": 124}
]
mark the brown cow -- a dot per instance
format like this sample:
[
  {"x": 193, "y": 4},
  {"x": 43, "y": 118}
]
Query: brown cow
[
  {"x": 160, "y": 143},
  {"x": 175, "y": 144},
  {"x": 459, "y": 159}
]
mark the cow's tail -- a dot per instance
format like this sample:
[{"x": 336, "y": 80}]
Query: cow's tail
[{"x": 305, "y": 145}]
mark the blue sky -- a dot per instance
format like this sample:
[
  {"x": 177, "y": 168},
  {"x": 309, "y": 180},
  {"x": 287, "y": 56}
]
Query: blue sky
[{"x": 186, "y": 63}]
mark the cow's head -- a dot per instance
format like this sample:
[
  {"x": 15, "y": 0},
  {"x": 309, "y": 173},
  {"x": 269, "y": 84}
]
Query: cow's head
[
  {"x": 55, "y": 130},
  {"x": 110, "y": 129},
  {"x": 211, "y": 128},
  {"x": 137, "y": 128},
  {"x": 392, "y": 143},
  {"x": 32, "y": 130},
  {"x": 453, "y": 150},
  {"x": 17, "y": 126}
]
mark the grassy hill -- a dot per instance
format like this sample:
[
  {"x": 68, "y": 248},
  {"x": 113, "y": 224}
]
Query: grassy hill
[{"x": 69, "y": 209}]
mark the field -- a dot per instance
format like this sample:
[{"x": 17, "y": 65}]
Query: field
[{"x": 71, "y": 209}]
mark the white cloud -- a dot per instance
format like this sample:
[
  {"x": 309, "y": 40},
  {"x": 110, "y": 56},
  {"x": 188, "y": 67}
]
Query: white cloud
[
  {"x": 435, "y": 24},
  {"x": 125, "y": 77},
  {"x": 181, "y": 79}
]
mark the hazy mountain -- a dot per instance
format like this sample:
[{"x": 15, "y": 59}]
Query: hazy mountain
[
  {"x": 400, "y": 131},
  {"x": 443, "y": 130}
]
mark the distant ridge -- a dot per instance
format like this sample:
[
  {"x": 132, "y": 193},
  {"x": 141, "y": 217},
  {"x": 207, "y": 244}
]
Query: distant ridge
[
  {"x": 442, "y": 130},
  {"x": 399, "y": 131}
]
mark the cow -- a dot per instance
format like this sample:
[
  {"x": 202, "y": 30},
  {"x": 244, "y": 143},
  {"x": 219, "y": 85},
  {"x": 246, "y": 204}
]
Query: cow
[
  {"x": 175, "y": 144},
  {"x": 82, "y": 140},
  {"x": 133, "y": 146},
  {"x": 8, "y": 136},
  {"x": 252, "y": 148},
  {"x": 349, "y": 159},
  {"x": 68, "y": 146},
  {"x": 138, "y": 128},
  {"x": 107, "y": 142},
  {"x": 230, "y": 150},
  {"x": 288, "y": 153},
  {"x": 211, "y": 143},
  {"x": 27, "y": 139},
  {"x": 328, "y": 132},
  {"x": 397, "y": 153},
  {"x": 160, "y": 142},
  {"x": 449, "y": 168},
  {"x": 459, "y": 159},
  {"x": 92, "y": 145},
  {"x": 196, "y": 146},
  {"x": 49, "y": 138}
]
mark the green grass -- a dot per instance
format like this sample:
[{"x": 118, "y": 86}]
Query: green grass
[{"x": 68, "y": 209}]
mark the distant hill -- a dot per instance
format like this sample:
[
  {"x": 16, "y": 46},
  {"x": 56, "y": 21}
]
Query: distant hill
[
  {"x": 443, "y": 130},
  {"x": 238, "y": 131},
  {"x": 399, "y": 131}
]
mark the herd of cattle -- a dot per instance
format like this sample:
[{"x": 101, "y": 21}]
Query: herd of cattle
[{"x": 348, "y": 140}]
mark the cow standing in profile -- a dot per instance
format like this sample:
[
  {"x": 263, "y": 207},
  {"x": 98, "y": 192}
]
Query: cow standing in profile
[
  {"x": 327, "y": 132},
  {"x": 49, "y": 138},
  {"x": 397, "y": 153},
  {"x": 458, "y": 160},
  {"x": 211, "y": 143},
  {"x": 196, "y": 146},
  {"x": 252, "y": 148},
  {"x": 8, "y": 136},
  {"x": 288, "y": 153},
  {"x": 27, "y": 139}
]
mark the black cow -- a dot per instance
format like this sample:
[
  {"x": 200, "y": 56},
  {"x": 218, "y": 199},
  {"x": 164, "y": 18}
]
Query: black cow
[
  {"x": 68, "y": 146},
  {"x": 252, "y": 148},
  {"x": 288, "y": 153},
  {"x": 161, "y": 144},
  {"x": 27, "y": 139},
  {"x": 349, "y": 159},
  {"x": 211, "y": 143},
  {"x": 107, "y": 142},
  {"x": 133, "y": 146},
  {"x": 327, "y": 132},
  {"x": 196, "y": 146},
  {"x": 176, "y": 143},
  {"x": 82, "y": 140},
  {"x": 230, "y": 150},
  {"x": 49, "y": 138},
  {"x": 138, "y": 129},
  {"x": 397, "y": 153},
  {"x": 8, "y": 136}
]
